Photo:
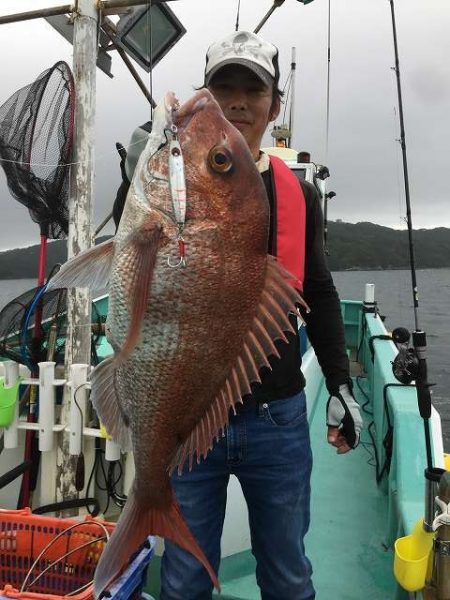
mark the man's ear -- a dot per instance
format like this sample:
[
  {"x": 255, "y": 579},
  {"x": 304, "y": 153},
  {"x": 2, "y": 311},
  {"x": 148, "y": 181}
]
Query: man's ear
[{"x": 275, "y": 108}]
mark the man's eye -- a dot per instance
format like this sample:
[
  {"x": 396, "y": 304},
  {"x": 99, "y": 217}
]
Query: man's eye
[{"x": 257, "y": 91}]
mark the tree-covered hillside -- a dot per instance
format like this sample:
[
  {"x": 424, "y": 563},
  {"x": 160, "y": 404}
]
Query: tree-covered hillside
[{"x": 360, "y": 246}]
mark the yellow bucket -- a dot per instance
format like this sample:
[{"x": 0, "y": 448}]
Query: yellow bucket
[
  {"x": 413, "y": 558},
  {"x": 447, "y": 462}
]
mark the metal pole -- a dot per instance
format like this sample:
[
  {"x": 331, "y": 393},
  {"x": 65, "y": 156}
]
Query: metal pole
[
  {"x": 292, "y": 108},
  {"x": 78, "y": 343},
  {"x": 107, "y": 29},
  {"x": 276, "y": 4},
  {"x": 37, "y": 14},
  {"x": 110, "y": 6}
]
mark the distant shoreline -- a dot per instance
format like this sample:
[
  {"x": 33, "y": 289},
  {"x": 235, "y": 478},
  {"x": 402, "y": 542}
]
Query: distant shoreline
[{"x": 352, "y": 247}]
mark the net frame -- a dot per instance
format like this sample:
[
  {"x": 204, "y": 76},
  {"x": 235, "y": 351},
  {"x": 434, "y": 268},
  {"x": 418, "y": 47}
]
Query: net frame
[{"x": 36, "y": 139}]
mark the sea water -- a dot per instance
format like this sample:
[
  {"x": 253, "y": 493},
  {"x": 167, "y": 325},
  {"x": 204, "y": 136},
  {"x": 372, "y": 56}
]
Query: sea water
[{"x": 393, "y": 293}]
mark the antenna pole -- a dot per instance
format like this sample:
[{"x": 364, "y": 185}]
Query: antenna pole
[{"x": 276, "y": 4}]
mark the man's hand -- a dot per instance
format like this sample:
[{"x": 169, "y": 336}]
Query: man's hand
[{"x": 343, "y": 419}]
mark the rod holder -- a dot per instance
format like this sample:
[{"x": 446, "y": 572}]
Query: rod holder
[
  {"x": 46, "y": 405},
  {"x": 441, "y": 565},
  {"x": 369, "y": 304},
  {"x": 369, "y": 293},
  {"x": 112, "y": 451},
  {"x": 78, "y": 378},
  {"x": 432, "y": 479}
]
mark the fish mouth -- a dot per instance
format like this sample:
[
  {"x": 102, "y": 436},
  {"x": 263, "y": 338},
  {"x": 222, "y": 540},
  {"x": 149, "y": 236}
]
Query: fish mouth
[{"x": 183, "y": 115}]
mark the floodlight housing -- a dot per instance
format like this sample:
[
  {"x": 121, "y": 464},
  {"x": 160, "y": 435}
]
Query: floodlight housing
[{"x": 147, "y": 33}]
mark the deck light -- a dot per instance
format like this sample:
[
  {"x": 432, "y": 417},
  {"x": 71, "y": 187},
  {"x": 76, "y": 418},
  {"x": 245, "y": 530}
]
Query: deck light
[{"x": 147, "y": 33}]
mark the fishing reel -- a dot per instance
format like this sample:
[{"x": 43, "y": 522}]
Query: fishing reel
[{"x": 405, "y": 365}]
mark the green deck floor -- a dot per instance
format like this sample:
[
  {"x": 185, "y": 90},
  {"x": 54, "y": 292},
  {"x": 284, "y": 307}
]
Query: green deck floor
[
  {"x": 348, "y": 521},
  {"x": 345, "y": 542}
]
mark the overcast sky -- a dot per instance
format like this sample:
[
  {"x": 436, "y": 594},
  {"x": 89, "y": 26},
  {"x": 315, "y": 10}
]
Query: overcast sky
[{"x": 363, "y": 155}]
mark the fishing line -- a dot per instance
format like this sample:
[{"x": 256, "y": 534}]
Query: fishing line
[
  {"x": 68, "y": 164},
  {"x": 99, "y": 158},
  {"x": 150, "y": 23},
  {"x": 288, "y": 85},
  {"x": 328, "y": 82},
  {"x": 397, "y": 148},
  {"x": 401, "y": 218}
]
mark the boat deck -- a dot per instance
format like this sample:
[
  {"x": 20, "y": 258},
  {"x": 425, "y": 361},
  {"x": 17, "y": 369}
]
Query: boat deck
[{"x": 345, "y": 542}]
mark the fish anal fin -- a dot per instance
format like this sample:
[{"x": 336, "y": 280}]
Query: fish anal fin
[
  {"x": 271, "y": 320},
  {"x": 105, "y": 399}
]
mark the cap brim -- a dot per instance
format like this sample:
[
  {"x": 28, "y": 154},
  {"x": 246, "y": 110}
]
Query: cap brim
[{"x": 261, "y": 73}]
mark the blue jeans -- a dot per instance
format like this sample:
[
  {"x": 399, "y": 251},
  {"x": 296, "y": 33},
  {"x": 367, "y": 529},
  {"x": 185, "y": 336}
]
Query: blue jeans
[{"x": 267, "y": 447}]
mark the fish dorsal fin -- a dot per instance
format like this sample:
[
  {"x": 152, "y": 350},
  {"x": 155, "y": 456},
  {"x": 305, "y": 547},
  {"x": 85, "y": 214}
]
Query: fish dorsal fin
[
  {"x": 269, "y": 324},
  {"x": 104, "y": 397}
]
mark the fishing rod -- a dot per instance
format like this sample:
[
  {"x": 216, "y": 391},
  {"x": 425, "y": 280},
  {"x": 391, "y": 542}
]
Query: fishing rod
[{"x": 411, "y": 363}]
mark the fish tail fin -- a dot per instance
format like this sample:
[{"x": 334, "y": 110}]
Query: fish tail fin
[{"x": 136, "y": 518}]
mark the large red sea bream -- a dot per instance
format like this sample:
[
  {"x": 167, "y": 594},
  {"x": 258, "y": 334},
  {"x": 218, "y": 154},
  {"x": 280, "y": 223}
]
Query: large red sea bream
[{"x": 195, "y": 304}]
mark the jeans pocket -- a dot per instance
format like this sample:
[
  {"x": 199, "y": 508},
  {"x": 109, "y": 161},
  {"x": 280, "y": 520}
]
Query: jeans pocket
[{"x": 287, "y": 412}]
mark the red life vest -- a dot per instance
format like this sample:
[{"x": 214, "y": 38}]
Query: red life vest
[{"x": 290, "y": 221}]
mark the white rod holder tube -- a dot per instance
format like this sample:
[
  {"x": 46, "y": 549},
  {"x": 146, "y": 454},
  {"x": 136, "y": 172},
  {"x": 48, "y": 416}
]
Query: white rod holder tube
[
  {"x": 46, "y": 405},
  {"x": 369, "y": 295},
  {"x": 11, "y": 373},
  {"x": 112, "y": 451},
  {"x": 11, "y": 433},
  {"x": 78, "y": 378}
]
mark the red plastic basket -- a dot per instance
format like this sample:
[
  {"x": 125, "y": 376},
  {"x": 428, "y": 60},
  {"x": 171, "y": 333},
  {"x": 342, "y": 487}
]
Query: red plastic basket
[{"x": 23, "y": 536}]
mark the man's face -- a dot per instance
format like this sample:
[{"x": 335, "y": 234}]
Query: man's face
[{"x": 246, "y": 102}]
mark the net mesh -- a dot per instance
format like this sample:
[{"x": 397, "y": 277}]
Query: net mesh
[
  {"x": 36, "y": 133},
  {"x": 19, "y": 340}
]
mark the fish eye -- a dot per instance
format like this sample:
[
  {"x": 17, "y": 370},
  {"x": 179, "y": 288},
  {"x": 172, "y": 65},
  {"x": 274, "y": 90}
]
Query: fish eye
[{"x": 219, "y": 159}]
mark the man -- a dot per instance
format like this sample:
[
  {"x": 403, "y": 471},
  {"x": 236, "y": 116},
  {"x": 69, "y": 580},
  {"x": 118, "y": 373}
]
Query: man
[{"x": 267, "y": 442}]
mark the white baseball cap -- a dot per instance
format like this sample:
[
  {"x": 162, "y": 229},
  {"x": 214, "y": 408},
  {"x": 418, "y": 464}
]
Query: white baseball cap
[{"x": 247, "y": 49}]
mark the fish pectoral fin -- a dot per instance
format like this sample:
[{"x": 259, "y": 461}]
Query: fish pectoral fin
[
  {"x": 105, "y": 400},
  {"x": 136, "y": 522},
  {"x": 90, "y": 268},
  {"x": 140, "y": 257},
  {"x": 271, "y": 320}
]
